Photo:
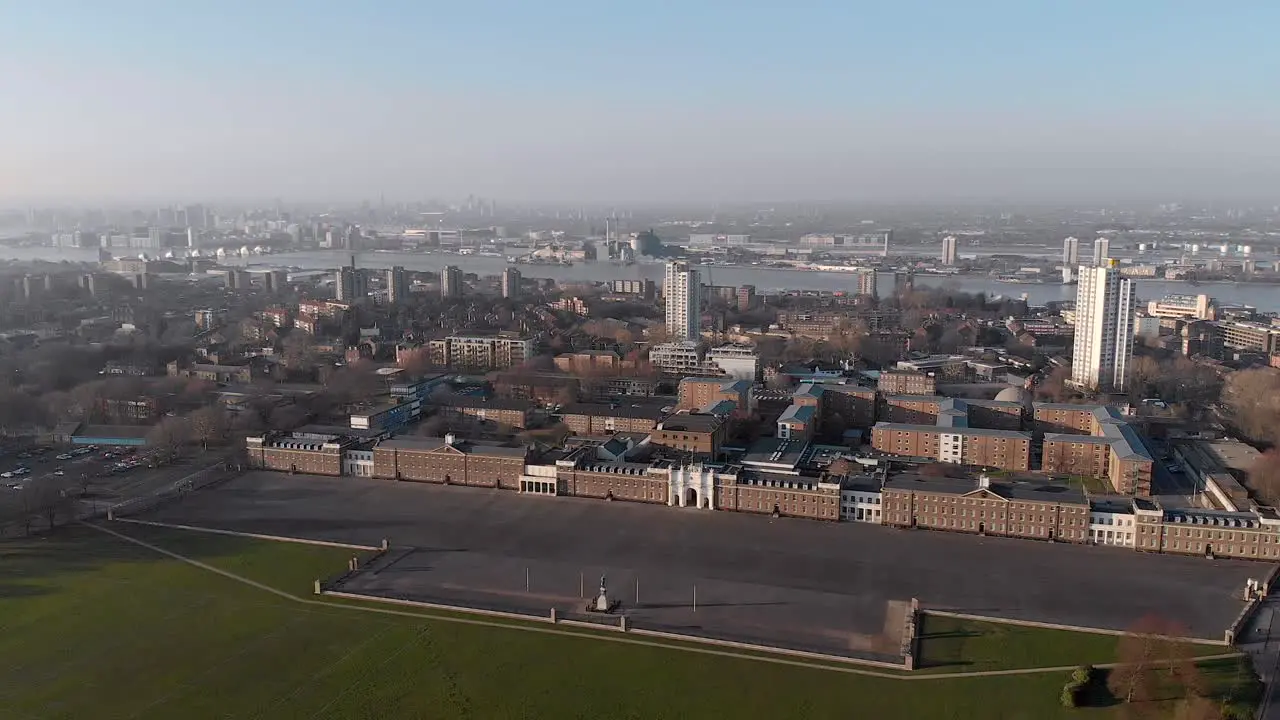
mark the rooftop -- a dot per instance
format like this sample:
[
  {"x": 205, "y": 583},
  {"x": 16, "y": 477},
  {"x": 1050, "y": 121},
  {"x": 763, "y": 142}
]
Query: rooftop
[
  {"x": 798, "y": 413},
  {"x": 635, "y": 411},
  {"x": 691, "y": 422},
  {"x": 471, "y": 447},
  {"x": 1027, "y": 491},
  {"x": 1010, "y": 434},
  {"x": 474, "y": 401},
  {"x": 776, "y": 453}
]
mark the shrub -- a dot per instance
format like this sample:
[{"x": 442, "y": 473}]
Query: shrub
[
  {"x": 1069, "y": 695},
  {"x": 1082, "y": 675}
]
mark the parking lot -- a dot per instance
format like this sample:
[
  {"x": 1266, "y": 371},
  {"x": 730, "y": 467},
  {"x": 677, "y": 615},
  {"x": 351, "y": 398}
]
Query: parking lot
[
  {"x": 101, "y": 475},
  {"x": 828, "y": 584}
]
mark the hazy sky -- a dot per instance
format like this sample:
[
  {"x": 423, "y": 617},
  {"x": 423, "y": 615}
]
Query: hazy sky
[{"x": 639, "y": 101}]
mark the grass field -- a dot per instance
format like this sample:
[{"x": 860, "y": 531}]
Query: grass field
[
  {"x": 92, "y": 626},
  {"x": 954, "y": 645}
]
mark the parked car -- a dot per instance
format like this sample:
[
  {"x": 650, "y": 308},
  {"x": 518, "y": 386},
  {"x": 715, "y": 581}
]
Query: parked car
[{"x": 64, "y": 456}]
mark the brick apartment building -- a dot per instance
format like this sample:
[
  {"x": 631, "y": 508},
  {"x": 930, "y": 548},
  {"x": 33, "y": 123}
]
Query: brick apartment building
[
  {"x": 450, "y": 460},
  {"x": 906, "y": 382},
  {"x": 911, "y": 409},
  {"x": 518, "y": 414},
  {"x": 538, "y": 387},
  {"x": 635, "y": 482},
  {"x": 1021, "y": 510},
  {"x": 701, "y": 435},
  {"x": 780, "y": 494},
  {"x": 586, "y": 361},
  {"x": 855, "y": 404},
  {"x": 298, "y": 452},
  {"x": 1097, "y": 441},
  {"x": 609, "y": 418},
  {"x": 696, "y": 393},
  {"x": 1004, "y": 449}
]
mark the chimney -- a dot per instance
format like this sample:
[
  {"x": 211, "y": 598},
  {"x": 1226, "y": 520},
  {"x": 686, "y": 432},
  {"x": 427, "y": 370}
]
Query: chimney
[{"x": 450, "y": 439}]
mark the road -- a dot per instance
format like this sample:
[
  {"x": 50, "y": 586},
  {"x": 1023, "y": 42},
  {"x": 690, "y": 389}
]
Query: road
[{"x": 1261, "y": 640}]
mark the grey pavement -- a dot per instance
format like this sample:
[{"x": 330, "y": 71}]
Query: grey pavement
[
  {"x": 826, "y": 583},
  {"x": 1261, "y": 640}
]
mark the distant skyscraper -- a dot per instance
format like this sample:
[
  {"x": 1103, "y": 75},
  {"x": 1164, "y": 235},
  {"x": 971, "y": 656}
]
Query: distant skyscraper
[
  {"x": 349, "y": 284},
  {"x": 1071, "y": 251},
  {"x": 197, "y": 217},
  {"x": 397, "y": 285},
  {"x": 238, "y": 280},
  {"x": 191, "y": 237},
  {"x": 867, "y": 282},
  {"x": 949, "y": 250},
  {"x": 683, "y": 295},
  {"x": 451, "y": 282},
  {"x": 1101, "y": 251},
  {"x": 511, "y": 283},
  {"x": 275, "y": 281},
  {"x": 1104, "y": 329}
]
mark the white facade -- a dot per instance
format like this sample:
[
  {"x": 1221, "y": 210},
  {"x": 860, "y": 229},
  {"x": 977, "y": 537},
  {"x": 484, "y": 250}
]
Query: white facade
[
  {"x": 1107, "y": 528},
  {"x": 951, "y": 448},
  {"x": 860, "y": 506},
  {"x": 683, "y": 297},
  {"x": 949, "y": 250},
  {"x": 1071, "y": 252},
  {"x": 1101, "y": 251},
  {"x": 358, "y": 463},
  {"x": 675, "y": 357},
  {"x": 693, "y": 486},
  {"x": 738, "y": 363},
  {"x": 1104, "y": 329},
  {"x": 1185, "y": 307}
]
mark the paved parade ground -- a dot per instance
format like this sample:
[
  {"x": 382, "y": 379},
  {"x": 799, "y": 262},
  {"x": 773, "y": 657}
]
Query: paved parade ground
[{"x": 830, "y": 587}]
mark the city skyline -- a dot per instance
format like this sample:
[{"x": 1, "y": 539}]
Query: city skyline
[{"x": 1066, "y": 104}]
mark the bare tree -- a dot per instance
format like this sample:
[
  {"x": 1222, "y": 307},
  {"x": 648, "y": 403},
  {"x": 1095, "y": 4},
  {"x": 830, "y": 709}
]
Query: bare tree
[
  {"x": 1264, "y": 477},
  {"x": 208, "y": 425},
  {"x": 1154, "y": 658},
  {"x": 49, "y": 499},
  {"x": 169, "y": 435},
  {"x": 1253, "y": 398},
  {"x": 298, "y": 350}
]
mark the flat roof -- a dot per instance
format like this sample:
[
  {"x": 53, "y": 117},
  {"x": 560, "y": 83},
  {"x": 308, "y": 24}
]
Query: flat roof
[
  {"x": 642, "y": 410},
  {"x": 775, "y": 452},
  {"x": 1032, "y": 491},
  {"x": 691, "y": 421},
  {"x": 472, "y": 447},
  {"x": 472, "y": 401},
  {"x": 115, "y": 431}
]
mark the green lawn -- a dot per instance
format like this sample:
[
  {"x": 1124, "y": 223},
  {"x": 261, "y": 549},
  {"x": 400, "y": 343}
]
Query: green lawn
[
  {"x": 95, "y": 627},
  {"x": 954, "y": 645}
]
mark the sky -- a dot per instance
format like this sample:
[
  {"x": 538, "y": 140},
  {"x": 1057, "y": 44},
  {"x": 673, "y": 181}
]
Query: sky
[{"x": 692, "y": 101}]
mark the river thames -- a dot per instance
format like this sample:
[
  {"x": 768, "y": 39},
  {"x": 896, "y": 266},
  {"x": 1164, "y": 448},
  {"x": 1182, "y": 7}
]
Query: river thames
[{"x": 1265, "y": 297}]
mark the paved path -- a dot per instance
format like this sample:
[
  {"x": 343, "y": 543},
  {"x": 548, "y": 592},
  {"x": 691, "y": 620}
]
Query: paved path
[
  {"x": 607, "y": 638},
  {"x": 1261, "y": 640}
]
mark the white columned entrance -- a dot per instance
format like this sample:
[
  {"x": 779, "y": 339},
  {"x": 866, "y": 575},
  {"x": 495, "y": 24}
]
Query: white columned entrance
[{"x": 692, "y": 486}]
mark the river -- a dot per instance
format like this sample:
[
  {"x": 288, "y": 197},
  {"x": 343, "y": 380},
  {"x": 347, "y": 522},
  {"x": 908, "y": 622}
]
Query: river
[{"x": 1265, "y": 297}]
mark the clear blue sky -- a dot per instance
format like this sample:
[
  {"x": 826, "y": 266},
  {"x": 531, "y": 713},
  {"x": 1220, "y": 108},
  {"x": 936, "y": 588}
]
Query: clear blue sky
[{"x": 568, "y": 100}]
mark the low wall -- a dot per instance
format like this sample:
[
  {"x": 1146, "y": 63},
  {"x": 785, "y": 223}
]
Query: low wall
[
  {"x": 622, "y": 626},
  {"x": 255, "y": 536},
  {"x": 1051, "y": 626},
  {"x": 1251, "y": 608}
]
